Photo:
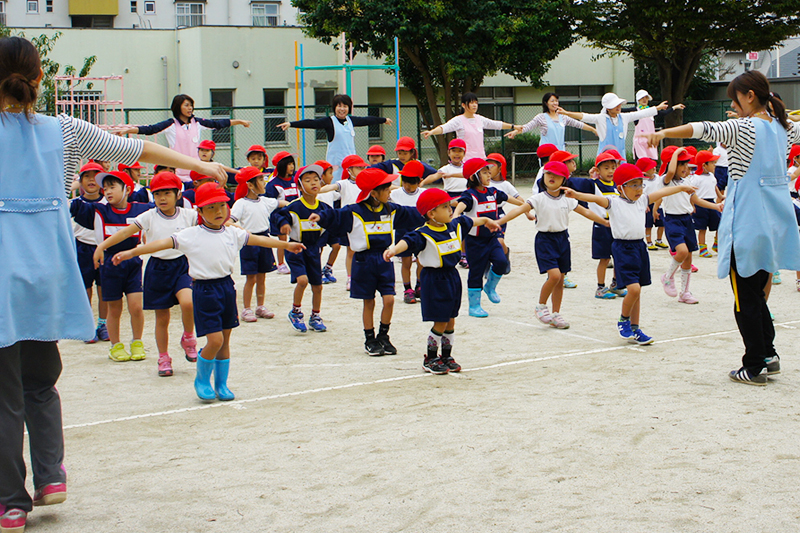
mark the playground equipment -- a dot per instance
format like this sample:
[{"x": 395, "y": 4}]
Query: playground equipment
[
  {"x": 90, "y": 104},
  {"x": 347, "y": 67}
]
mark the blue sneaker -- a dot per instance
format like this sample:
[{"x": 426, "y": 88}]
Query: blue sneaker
[
  {"x": 625, "y": 330},
  {"x": 639, "y": 337},
  {"x": 296, "y": 320},
  {"x": 616, "y": 290},
  {"x": 102, "y": 333},
  {"x": 604, "y": 294},
  {"x": 569, "y": 284},
  {"x": 327, "y": 275},
  {"x": 315, "y": 322}
]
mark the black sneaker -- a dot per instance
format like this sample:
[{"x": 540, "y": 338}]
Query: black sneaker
[
  {"x": 435, "y": 366},
  {"x": 388, "y": 347},
  {"x": 748, "y": 378},
  {"x": 451, "y": 364},
  {"x": 374, "y": 347},
  {"x": 773, "y": 365}
]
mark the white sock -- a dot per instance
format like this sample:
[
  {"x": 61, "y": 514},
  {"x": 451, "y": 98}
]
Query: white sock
[
  {"x": 685, "y": 273},
  {"x": 673, "y": 267}
]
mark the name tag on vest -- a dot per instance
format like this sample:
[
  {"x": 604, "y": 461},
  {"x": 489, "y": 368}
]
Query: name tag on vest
[
  {"x": 307, "y": 225},
  {"x": 448, "y": 247},
  {"x": 378, "y": 227},
  {"x": 488, "y": 206}
]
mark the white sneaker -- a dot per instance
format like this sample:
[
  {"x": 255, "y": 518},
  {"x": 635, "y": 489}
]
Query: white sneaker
[
  {"x": 557, "y": 321},
  {"x": 283, "y": 269},
  {"x": 543, "y": 314}
]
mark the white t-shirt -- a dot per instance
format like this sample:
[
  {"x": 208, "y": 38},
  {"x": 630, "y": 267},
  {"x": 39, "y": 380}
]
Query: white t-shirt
[
  {"x": 651, "y": 186},
  {"x": 723, "y": 156},
  {"x": 253, "y": 215},
  {"x": 706, "y": 186},
  {"x": 156, "y": 225},
  {"x": 329, "y": 197},
  {"x": 552, "y": 213},
  {"x": 211, "y": 252},
  {"x": 348, "y": 190},
  {"x": 792, "y": 170},
  {"x": 627, "y": 218},
  {"x": 402, "y": 197},
  {"x": 453, "y": 184},
  {"x": 507, "y": 188},
  {"x": 86, "y": 235},
  {"x": 679, "y": 203}
]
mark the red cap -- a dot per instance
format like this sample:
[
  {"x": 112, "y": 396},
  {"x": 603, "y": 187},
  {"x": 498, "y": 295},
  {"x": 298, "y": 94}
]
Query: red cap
[
  {"x": 376, "y": 150},
  {"x": 797, "y": 184},
  {"x": 431, "y": 199},
  {"x": 558, "y": 168},
  {"x": 501, "y": 160},
  {"x": 627, "y": 172},
  {"x": 473, "y": 166},
  {"x": 124, "y": 176},
  {"x": 257, "y": 148},
  {"x": 692, "y": 150},
  {"x": 666, "y": 157},
  {"x": 209, "y": 193},
  {"x": 605, "y": 156},
  {"x": 244, "y": 175},
  {"x": 371, "y": 178},
  {"x": 165, "y": 180},
  {"x": 405, "y": 143},
  {"x": 351, "y": 161},
  {"x": 562, "y": 156},
  {"x": 413, "y": 169},
  {"x": 610, "y": 149},
  {"x": 703, "y": 157},
  {"x": 794, "y": 152},
  {"x": 457, "y": 143},
  {"x": 88, "y": 167},
  {"x": 279, "y": 156},
  {"x": 546, "y": 150},
  {"x": 645, "y": 164},
  {"x": 122, "y": 167},
  {"x": 324, "y": 164},
  {"x": 196, "y": 176},
  {"x": 207, "y": 145}
]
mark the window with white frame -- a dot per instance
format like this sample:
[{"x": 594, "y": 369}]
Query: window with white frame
[
  {"x": 265, "y": 13},
  {"x": 496, "y": 103},
  {"x": 2, "y": 13},
  {"x": 274, "y": 114},
  {"x": 32, "y": 6},
  {"x": 190, "y": 14},
  {"x": 149, "y": 8}
]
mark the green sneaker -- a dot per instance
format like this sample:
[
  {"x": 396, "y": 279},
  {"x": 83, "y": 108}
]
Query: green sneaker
[
  {"x": 137, "y": 351},
  {"x": 117, "y": 353}
]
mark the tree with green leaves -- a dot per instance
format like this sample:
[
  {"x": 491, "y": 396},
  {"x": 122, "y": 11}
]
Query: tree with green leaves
[
  {"x": 447, "y": 47},
  {"x": 675, "y": 35}
]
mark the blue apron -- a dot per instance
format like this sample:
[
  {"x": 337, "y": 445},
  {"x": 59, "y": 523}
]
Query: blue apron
[
  {"x": 615, "y": 135},
  {"x": 343, "y": 143},
  {"x": 758, "y": 221},
  {"x": 555, "y": 133},
  {"x": 42, "y": 296}
]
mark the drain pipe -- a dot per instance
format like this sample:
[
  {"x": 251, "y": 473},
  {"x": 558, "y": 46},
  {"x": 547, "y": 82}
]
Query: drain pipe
[{"x": 166, "y": 81}]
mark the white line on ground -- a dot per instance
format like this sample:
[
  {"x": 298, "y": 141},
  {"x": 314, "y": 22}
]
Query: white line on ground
[
  {"x": 562, "y": 332},
  {"x": 240, "y": 403}
]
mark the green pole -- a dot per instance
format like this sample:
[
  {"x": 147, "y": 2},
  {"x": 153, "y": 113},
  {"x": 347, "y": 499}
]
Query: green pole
[{"x": 233, "y": 143}]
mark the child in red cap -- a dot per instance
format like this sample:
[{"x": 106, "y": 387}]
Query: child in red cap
[
  {"x": 627, "y": 220},
  {"x": 552, "y": 246},
  {"x": 211, "y": 249},
  {"x": 198, "y": 180},
  {"x": 451, "y": 175},
  {"x": 376, "y": 154},
  {"x": 406, "y": 150},
  {"x": 334, "y": 199},
  {"x": 437, "y": 245},
  {"x": 705, "y": 181},
  {"x": 369, "y": 224},
  {"x": 407, "y": 195},
  {"x": 117, "y": 280},
  {"x": 497, "y": 168},
  {"x": 282, "y": 187},
  {"x": 652, "y": 218},
  {"x": 166, "y": 278}
]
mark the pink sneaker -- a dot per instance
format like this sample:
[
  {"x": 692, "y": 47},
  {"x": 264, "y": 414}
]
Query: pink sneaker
[
  {"x": 50, "y": 494},
  {"x": 347, "y": 287},
  {"x": 694, "y": 269},
  {"x": 263, "y": 312},
  {"x": 165, "y": 365},
  {"x": 12, "y": 520},
  {"x": 669, "y": 286},
  {"x": 283, "y": 269},
  {"x": 687, "y": 298},
  {"x": 249, "y": 316},
  {"x": 189, "y": 345}
]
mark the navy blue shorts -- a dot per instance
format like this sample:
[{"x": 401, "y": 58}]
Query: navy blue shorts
[
  {"x": 705, "y": 218},
  {"x": 649, "y": 221},
  {"x": 125, "y": 278},
  {"x": 631, "y": 263},
  {"x": 553, "y": 251},
  {"x": 601, "y": 242},
  {"x": 306, "y": 263},
  {"x": 679, "y": 229},
  {"x": 214, "y": 305},
  {"x": 256, "y": 259},
  {"x": 440, "y": 294},
  {"x": 344, "y": 240},
  {"x": 721, "y": 173},
  {"x": 90, "y": 274},
  {"x": 482, "y": 252},
  {"x": 371, "y": 273},
  {"x": 163, "y": 278}
]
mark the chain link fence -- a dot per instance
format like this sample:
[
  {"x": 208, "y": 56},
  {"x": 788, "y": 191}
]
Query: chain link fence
[{"x": 232, "y": 143}]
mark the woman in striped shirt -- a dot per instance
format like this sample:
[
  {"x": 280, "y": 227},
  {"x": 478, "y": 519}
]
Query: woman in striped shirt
[
  {"x": 43, "y": 299},
  {"x": 758, "y": 231}
]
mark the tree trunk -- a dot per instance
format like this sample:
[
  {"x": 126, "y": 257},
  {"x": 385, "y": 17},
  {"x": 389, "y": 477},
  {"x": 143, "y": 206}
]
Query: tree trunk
[{"x": 674, "y": 79}]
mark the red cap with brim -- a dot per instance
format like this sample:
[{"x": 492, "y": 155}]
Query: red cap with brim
[
  {"x": 256, "y": 148},
  {"x": 122, "y": 167},
  {"x": 645, "y": 164},
  {"x": 546, "y": 150},
  {"x": 123, "y": 176},
  {"x": 602, "y": 157},
  {"x": 627, "y": 172},
  {"x": 165, "y": 180},
  {"x": 794, "y": 152},
  {"x": 351, "y": 161},
  {"x": 562, "y": 156},
  {"x": 501, "y": 160},
  {"x": 406, "y": 144},
  {"x": 413, "y": 169},
  {"x": 666, "y": 157},
  {"x": 207, "y": 145},
  {"x": 371, "y": 178},
  {"x": 324, "y": 164},
  {"x": 473, "y": 166},
  {"x": 196, "y": 176},
  {"x": 88, "y": 167},
  {"x": 280, "y": 156},
  {"x": 376, "y": 150},
  {"x": 457, "y": 143},
  {"x": 558, "y": 168},
  {"x": 209, "y": 193},
  {"x": 242, "y": 177},
  {"x": 703, "y": 157},
  {"x": 431, "y": 199}
]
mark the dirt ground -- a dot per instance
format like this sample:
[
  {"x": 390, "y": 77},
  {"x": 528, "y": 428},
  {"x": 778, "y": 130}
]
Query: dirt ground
[{"x": 544, "y": 430}]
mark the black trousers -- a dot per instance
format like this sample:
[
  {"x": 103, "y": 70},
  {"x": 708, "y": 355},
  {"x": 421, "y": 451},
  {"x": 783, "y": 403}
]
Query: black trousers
[
  {"x": 28, "y": 374},
  {"x": 752, "y": 317}
]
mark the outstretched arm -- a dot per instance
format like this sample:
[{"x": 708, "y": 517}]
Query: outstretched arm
[
  {"x": 395, "y": 249},
  {"x": 667, "y": 191},
  {"x": 269, "y": 242},
  {"x": 514, "y": 213},
  {"x": 602, "y": 201},
  {"x": 117, "y": 238},
  {"x": 515, "y": 200},
  {"x": 144, "y": 249},
  {"x": 591, "y": 215},
  {"x": 705, "y": 203}
]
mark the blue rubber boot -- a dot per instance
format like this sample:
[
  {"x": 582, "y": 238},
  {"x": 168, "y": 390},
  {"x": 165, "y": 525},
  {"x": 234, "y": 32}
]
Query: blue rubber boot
[
  {"x": 221, "y": 368},
  {"x": 491, "y": 284},
  {"x": 475, "y": 308},
  {"x": 202, "y": 381}
]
